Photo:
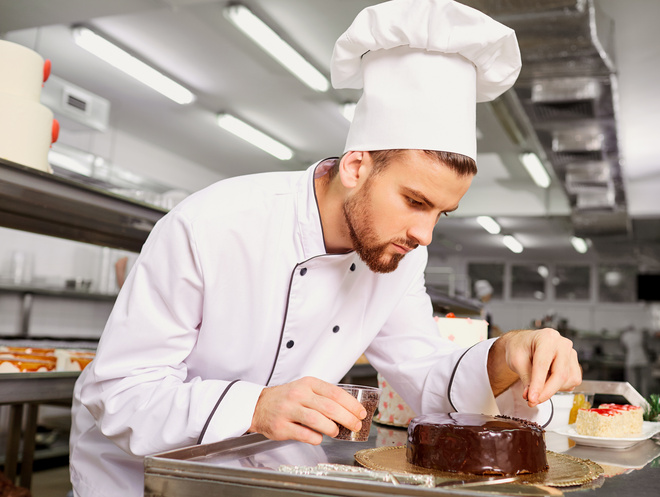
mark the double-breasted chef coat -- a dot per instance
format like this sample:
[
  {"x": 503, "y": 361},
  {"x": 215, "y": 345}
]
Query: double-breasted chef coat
[{"x": 234, "y": 291}]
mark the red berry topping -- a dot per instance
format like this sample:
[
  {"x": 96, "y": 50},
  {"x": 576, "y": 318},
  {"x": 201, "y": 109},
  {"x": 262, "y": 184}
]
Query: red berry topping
[
  {"x": 47, "y": 65},
  {"x": 55, "y": 131}
]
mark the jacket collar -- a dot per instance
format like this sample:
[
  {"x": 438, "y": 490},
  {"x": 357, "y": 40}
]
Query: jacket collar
[{"x": 310, "y": 228}]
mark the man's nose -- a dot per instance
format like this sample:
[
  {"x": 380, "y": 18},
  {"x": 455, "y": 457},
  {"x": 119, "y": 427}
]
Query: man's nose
[{"x": 422, "y": 230}]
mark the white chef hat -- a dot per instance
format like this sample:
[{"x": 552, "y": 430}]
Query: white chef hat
[
  {"x": 482, "y": 288},
  {"x": 423, "y": 64}
]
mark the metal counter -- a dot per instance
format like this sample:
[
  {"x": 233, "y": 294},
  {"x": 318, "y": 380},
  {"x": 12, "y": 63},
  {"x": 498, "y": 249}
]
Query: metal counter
[
  {"x": 39, "y": 202},
  {"x": 247, "y": 466},
  {"x": 19, "y": 390}
]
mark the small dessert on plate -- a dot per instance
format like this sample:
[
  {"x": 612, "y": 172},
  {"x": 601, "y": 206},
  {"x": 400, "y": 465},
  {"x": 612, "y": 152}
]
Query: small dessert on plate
[{"x": 610, "y": 420}]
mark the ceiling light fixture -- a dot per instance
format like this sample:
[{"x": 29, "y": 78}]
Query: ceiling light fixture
[
  {"x": 512, "y": 244},
  {"x": 254, "y": 136},
  {"x": 276, "y": 47},
  {"x": 489, "y": 224},
  {"x": 579, "y": 244},
  {"x": 536, "y": 169},
  {"x": 122, "y": 60}
]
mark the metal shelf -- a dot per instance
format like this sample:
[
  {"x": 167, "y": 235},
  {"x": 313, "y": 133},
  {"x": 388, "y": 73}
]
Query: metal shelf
[
  {"x": 39, "y": 202},
  {"x": 57, "y": 292},
  {"x": 27, "y": 391},
  {"x": 443, "y": 303},
  {"x": 27, "y": 294},
  {"x": 18, "y": 388}
]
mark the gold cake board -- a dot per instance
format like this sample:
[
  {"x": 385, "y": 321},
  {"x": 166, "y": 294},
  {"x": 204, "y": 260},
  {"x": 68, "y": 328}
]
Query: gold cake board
[{"x": 563, "y": 471}]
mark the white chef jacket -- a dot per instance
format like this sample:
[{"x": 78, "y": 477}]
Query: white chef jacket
[{"x": 234, "y": 291}]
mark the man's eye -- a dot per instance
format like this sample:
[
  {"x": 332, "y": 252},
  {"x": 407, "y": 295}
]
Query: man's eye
[{"x": 414, "y": 203}]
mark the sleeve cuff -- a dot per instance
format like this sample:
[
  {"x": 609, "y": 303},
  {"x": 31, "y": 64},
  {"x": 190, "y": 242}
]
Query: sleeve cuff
[
  {"x": 511, "y": 403},
  {"x": 470, "y": 391},
  {"x": 469, "y": 387},
  {"x": 233, "y": 413}
]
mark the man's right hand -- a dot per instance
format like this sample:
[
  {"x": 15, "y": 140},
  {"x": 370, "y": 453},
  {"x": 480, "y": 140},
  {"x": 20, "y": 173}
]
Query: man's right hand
[{"x": 305, "y": 410}]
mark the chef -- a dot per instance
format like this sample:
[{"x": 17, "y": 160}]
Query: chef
[
  {"x": 254, "y": 296},
  {"x": 484, "y": 292}
]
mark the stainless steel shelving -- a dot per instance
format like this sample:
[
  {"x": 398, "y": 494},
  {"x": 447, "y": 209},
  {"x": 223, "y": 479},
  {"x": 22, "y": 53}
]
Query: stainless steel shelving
[
  {"x": 38, "y": 202},
  {"x": 29, "y": 390},
  {"x": 459, "y": 305},
  {"x": 57, "y": 292},
  {"x": 27, "y": 294}
]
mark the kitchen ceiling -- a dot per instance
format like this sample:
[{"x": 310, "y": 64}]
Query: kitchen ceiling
[{"x": 193, "y": 42}]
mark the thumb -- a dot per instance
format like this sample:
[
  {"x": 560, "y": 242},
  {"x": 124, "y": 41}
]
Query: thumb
[{"x": 525, "y": 379}]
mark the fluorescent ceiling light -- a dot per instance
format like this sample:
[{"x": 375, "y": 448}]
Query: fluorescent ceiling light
[
  {"x": 115, "y": 56},
  {"x": 512, "y": 244},
  {"x": 536, "y": 169},
  {"x": 254, "y": 136},
  {"x": 348, "y": 110},
  {"x": 489, "y": 224},
  {"x": 276, "y": 47},
  {"x": 579, "y": 244}
]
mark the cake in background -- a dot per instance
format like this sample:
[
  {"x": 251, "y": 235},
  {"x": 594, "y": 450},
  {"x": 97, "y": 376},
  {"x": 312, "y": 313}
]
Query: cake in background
[
  {"x": 35, "y": 359},
  {"x": 611, "y": 421},
  {"x": 27, "y": 127}
]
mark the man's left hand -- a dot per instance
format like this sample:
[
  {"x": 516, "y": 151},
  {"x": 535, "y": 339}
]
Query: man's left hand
[{"x": 542, "y": 359}]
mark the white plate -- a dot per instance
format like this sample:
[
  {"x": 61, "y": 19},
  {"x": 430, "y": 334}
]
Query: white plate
[
  {"x": 648, "y": 430},
  {"x": 635, "y": 457}
]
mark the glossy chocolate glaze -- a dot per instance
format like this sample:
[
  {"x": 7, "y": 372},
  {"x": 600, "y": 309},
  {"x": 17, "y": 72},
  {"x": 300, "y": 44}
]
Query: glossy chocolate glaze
[{"x": 476, "y": 444}]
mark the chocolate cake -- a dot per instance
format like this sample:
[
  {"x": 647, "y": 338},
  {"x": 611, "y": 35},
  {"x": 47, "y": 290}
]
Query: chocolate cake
[{"x": 476, "y": 444}]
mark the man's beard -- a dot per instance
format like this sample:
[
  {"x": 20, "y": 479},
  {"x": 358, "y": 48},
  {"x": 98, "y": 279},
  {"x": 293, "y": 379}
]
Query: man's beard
[{"x": 359, "y": 218}]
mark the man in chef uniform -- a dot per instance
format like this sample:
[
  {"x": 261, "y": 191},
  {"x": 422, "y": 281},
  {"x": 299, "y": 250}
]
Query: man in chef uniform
[{"x": 256, "y": 295}]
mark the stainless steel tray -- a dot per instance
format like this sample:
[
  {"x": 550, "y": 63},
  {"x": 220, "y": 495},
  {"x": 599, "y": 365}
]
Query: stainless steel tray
[{"x": 249, "y": 465}]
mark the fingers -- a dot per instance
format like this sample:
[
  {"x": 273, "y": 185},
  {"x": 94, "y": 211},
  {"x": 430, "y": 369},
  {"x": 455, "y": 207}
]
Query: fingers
[
  {"x": 284, "y": 428},
  {"x": 519, "y": 357},
  {"x": 338, "y": 406},
  {"x": 305, "y": 410},
  {"x": 554, "y": 366},
  {"x": 338, "y": 395},
  {"x": 565, "y": 374},
  {"x": 542, "y": 360}
]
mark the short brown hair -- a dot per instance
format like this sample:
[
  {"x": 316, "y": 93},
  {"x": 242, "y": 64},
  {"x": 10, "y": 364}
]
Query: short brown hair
[{"x": 461, "y": 164}]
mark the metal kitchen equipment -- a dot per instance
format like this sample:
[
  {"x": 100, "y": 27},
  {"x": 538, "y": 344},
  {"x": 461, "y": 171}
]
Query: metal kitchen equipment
[
  {"x": 248, "y": 466},
  {"x": 622, "y": 388}
]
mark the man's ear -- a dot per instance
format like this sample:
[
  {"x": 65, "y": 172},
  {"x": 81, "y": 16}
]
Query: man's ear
[{"x": 353, "y": 168}]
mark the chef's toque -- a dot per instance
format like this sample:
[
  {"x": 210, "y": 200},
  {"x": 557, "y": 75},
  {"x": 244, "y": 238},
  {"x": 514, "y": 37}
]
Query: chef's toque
[
  {"x": 423, "y": 65},
  {"x": 482, "y": 288}
]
